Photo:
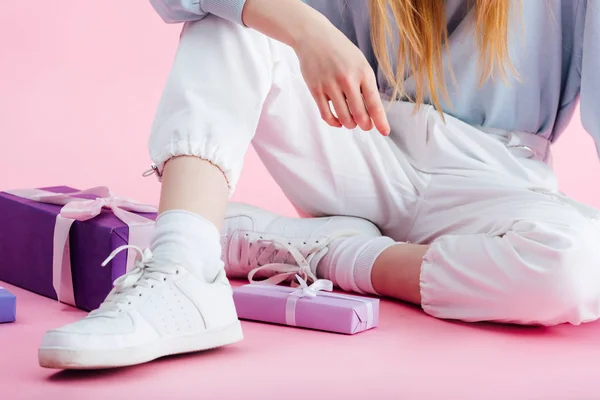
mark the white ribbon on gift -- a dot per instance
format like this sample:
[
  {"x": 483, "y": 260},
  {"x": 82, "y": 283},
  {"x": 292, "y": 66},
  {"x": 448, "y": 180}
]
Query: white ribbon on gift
[
  {"x": 304, "y": 291},
  {"x": 80, "y": 209},
  {"x": 321, "y": 287}
]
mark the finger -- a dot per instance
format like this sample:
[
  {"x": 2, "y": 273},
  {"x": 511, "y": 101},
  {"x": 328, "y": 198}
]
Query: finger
[
  {"x": 375, "y": 106},
  {"x": 325, "y": 110},
  {"x": 341, "y": 108},
  {"x": 358, "y": 109}
]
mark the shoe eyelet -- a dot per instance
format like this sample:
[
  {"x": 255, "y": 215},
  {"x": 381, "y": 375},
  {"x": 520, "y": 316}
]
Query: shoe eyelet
[
  {"x": 139, "y": 295},
  {"x": 152, "y": 287},
  {"x": 177, "y": 272},
  {"x": 304, "y": 242},
  {"x": 129, "y": 303},
  {"x": 164, "y": 279},
  {"x": 317, "y": 242}
]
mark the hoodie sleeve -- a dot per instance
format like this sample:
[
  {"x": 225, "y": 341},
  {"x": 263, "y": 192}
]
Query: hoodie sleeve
[
  {"x": 175, "y": 11},
  {"x": 590, "y": 73}
]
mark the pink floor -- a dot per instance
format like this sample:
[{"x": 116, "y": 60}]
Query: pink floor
[{"x": 410, "y": 356}]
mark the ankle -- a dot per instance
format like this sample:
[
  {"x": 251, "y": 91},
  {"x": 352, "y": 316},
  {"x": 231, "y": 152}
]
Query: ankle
[{"x": 397, "y": 272}]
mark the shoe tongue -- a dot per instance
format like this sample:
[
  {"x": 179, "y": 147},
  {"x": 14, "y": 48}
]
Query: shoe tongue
[
  {"x": 313, "y": 258},
  {"x": 232, "y": 246}
]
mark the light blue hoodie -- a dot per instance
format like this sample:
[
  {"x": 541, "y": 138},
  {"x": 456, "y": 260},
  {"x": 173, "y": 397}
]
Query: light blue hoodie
[{"x": 554, "y": 44}]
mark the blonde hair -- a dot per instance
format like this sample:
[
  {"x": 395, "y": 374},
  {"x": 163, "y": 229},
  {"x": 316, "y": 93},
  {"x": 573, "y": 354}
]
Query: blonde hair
[{"x": 423, "y": 35}]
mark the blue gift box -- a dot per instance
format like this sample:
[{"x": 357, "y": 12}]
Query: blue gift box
[{"x": 8, "y": 306}]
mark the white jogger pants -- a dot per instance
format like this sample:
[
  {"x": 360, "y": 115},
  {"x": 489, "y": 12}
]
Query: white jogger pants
[{"x": 504, "y": 244}]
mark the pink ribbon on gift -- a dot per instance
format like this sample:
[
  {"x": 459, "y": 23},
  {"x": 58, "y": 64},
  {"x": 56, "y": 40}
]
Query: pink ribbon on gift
[{"x": 80, "y": 209}]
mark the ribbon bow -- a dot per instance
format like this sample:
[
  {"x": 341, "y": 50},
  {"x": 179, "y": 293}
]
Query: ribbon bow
[
  {"x": 76, "y": 208},
  {"x": 83, "y": 209},
  {"x": 304, "y": 291},
  {"x": 311, "y": 291}
]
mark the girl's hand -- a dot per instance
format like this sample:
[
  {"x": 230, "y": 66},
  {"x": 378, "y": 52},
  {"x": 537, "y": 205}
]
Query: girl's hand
[
  {"x": 333, "y": 67},
  {"x": 336, "y": 70}
]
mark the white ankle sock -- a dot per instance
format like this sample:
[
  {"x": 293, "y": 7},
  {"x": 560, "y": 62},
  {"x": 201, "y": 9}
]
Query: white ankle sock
[
  {"x": 349, "y": 262},
  {"x": 190, "y": 240}
]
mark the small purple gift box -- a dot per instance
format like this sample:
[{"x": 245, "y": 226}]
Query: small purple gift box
[
  {"x": 54, "y": 240},
  {"x": 8, "y": 306},
  {"x": 307, "y": 307}
]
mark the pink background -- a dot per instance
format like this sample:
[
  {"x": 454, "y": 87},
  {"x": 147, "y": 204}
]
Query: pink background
[{"x": 79, "y": 84}]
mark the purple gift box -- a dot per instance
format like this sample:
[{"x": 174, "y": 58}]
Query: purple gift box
[
  {"x": 326, "y": 311},
  {"x": 26, "y": 244},
  {"x": 8, "y": 306}
]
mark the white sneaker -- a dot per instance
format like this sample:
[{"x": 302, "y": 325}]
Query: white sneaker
[
  {"x": 153, "y": 311},
  {"x": 255, "y": 241}
]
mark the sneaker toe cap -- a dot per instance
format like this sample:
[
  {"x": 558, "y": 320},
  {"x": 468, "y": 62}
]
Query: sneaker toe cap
[{"x": 89, "y": 332}]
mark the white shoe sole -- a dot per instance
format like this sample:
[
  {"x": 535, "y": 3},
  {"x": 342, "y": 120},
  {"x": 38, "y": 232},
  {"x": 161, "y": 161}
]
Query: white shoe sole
[{"x": 66, "y": 358}]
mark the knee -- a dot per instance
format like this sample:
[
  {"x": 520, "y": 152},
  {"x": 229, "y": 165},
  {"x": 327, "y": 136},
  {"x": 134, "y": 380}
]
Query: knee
[
  {"x": 226, "y": 38},
  {"x": 196, "y": 115},
  {"x": 561, "y": 271}
]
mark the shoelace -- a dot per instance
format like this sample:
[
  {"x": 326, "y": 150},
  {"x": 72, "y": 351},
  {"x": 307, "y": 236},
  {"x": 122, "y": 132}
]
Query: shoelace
[
  {"x": 132, "y": 285},
  {"x": 253, "y": 253}
]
